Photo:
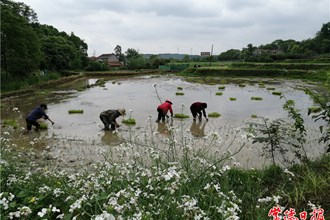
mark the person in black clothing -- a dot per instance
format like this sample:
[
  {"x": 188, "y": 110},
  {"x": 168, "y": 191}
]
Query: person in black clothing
[
  {"x": 109, "y": 118},
  {"x": 198, "y": 109},
  {"x": 34, "y": 115}
]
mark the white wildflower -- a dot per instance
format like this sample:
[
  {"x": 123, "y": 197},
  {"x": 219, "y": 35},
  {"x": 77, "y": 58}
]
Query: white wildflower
[
  {"x": 105, "y": 216},
  {"x": 43, "y": 212},
  {"x": 288, "y": 172}
]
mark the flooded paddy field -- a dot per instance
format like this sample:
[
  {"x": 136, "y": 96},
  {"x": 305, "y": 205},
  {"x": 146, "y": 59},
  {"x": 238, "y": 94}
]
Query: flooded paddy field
[{"x": 80, "y": 137}]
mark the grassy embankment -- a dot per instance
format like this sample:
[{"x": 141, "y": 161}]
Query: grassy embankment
[{"x": 316, "y": 72}]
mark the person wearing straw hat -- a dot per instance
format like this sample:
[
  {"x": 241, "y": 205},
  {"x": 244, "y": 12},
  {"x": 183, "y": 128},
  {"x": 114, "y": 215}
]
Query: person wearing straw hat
[
  {"x": 34, "y": 115},
  {"x": 162, "y": 110},
  {"x": 109, "y": 118}
]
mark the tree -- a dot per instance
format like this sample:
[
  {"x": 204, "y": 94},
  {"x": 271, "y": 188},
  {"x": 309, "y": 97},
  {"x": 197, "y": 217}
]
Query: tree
[
  {"x": 119, "y": 54},
  {"x": 231, "y": 54},
  {"x": 59, "y": 53},
  {"x": 20, "y": 45},
  {"x": 134, "y": 59}
]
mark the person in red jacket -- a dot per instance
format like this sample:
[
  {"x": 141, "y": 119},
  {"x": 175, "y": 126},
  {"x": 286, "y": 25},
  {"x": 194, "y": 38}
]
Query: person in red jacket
[
  {"x": 163, "y": 109},
  {"x": 198, "y": 108}
]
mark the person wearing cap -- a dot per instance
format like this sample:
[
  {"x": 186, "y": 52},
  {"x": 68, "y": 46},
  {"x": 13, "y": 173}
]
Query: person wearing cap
[
  {"x": 162, "y": 110},
  {"x": 34, "y": 115},
  {"x": 109, "y": 118},
  {"x": 198, "y": 108}
]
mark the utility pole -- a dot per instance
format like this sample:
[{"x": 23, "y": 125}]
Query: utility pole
[{"x": 211, "y": 55}]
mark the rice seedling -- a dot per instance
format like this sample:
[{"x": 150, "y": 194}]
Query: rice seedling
[
  {"x": 10, "y": 123},
  {"x": 270, "y": 88},
  {"x": 214, "y": 115},
  {"x": 179, "y": 93},
  {"x": 179, "y": 88},
  {"x": 256, "y": 98},
  {"x": 76, "y": 111},
  {"x": 232, "y": 99},
  {"x": 314, "y": 109},
  {"x": 241, "y": 85},
  {"x": 277, "y": 93},
  {"x": 254, "y": 116},
  {"x": 180, "y": 115},
  {"x": 129, "y": 121},
  {"x": 221, "y": 87},
  {"x": 43, "y": 126},
  {"x": 219, "y": 93}
]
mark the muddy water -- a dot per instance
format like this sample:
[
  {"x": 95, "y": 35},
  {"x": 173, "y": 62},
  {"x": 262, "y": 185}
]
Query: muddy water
[{"x": 77, "y": 136}]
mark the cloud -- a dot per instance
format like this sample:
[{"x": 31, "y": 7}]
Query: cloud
[{"x": 185, "y": 26}]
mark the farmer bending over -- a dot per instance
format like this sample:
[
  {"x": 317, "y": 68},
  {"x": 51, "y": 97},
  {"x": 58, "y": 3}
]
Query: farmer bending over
[
  {"x": 109, "y": 118},
  {"x": 36, "y": 114},
  {"x": 198, "y": 108},
  {"x": 163, "y": 109}
]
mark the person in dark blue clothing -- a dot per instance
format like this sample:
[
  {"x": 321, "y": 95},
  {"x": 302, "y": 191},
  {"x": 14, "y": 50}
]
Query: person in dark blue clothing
[{"x": 34, "y": 115}]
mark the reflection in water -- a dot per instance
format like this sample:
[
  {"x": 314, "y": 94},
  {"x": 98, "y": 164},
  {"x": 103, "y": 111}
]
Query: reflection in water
[
  {"x": 163, "y": 127},
  {"x": 111, "y": 138},
  {"x": 197, "y": 129}
]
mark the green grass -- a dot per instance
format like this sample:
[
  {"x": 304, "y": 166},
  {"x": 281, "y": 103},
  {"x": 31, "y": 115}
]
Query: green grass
[
  {"x": 214, "y": 115},
  {"x": 76, "y": 111}
]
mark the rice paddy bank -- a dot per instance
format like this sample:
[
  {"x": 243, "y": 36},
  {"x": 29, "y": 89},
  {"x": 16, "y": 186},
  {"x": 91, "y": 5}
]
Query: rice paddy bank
[{"x": 319, "y": 72}]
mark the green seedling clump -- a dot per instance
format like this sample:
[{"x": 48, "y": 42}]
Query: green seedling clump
[
  {"x": 277, "y": 93},
  {"x": 218, "y": 93},
  {"x": 179, "y": 93},
  {"x": 214, "y": 115},
  {"x": 232, "y": 99},
  {"x": 179, "y": 88},
  {"x": 256, "y": 98},
  {"x": 43, "y": 126},
  {"x": 76, "y": 111},
  {"x": 221, "y": 87},
  {"x": 180, "y": 115},
  {"x": 129, "y": 121},
  {"x": 314, "y": 109},
  {"x": 254, "y": 116},
  {"x": 10, "y": 122}
]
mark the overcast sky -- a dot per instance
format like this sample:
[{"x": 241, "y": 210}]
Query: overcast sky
[{"x": 182, "y": 26}]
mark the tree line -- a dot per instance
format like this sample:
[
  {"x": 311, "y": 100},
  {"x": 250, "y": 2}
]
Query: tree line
[
  {"x": 318, "y": 46},
  {"x": 28, "y": 46}
]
